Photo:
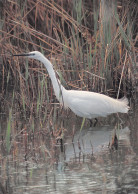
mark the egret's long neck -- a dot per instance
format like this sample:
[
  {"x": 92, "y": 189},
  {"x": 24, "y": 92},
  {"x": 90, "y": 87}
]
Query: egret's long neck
[{"x": 58, "y": 88}]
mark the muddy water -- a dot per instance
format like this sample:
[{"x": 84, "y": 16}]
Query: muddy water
[{"x": 83, "y": 164}]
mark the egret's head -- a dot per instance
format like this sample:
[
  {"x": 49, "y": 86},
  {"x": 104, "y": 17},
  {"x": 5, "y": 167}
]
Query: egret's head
[{"x": 33, "y": 55}]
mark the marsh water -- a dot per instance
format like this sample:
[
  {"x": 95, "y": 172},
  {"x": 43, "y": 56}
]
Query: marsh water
[{"x": 83, "y": 162}]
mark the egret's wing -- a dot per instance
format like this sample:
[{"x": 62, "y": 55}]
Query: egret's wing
[{"x": 89, "y": 106}]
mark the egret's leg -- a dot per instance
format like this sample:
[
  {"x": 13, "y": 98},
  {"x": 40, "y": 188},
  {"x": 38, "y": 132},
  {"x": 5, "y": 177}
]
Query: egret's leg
[
  {"x": 95, "y": 123},
  {"x": 90, "y": 122}
]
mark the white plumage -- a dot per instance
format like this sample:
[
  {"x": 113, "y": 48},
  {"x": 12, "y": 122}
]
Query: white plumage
[
  {"x": 92, "y": 105},
  {"x": 83, "y": 103}
]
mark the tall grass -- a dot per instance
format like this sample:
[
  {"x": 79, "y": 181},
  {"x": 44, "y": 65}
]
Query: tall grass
[
  {"x": 8, "y": 132},
  {"x": 87, "y": 42}
]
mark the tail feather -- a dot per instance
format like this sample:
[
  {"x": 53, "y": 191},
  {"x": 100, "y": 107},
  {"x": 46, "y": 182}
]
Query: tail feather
[{"x": 124, "y": 105}]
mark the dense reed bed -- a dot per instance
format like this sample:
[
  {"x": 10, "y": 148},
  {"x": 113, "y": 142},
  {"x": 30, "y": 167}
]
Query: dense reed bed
[{"x": 92, "y": 45}]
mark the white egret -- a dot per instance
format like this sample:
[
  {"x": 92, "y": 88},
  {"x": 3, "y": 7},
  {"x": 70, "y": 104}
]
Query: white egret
[{"x": 83, "y": 103}]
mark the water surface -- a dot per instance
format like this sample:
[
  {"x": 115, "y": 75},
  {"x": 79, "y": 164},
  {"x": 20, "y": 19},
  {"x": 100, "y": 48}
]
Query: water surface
[{"x": 84, "y": 164}]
